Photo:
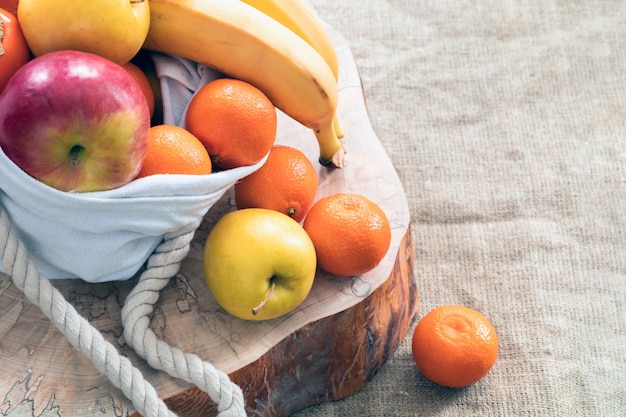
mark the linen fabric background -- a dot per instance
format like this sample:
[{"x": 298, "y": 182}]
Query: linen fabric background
[{"x": 506, "y": 122}]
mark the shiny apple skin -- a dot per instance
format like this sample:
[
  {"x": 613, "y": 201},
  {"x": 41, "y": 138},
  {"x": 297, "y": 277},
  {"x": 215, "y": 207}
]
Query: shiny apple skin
[
  {"x": 247, "y": 252},
  {"x": 114, "y": 29},
  {"x": 75, "y": 121}
]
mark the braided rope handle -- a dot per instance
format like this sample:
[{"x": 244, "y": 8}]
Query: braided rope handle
[
  {"x": 84, "y": 337},
  {"x": 79, "y": 332},
  {"x": 138, "y": 306}
]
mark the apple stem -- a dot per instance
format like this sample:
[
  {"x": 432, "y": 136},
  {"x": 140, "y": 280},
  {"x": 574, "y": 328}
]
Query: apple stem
[
  {"x": 75, "y": 153},
  {"x": 258, "y": 308}
]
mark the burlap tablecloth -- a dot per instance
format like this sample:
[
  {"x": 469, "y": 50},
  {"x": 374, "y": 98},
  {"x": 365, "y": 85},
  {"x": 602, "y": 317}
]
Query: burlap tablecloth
[{"x": 506, "y": 121}]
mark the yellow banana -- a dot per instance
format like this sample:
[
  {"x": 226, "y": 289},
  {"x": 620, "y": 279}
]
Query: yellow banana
[
  {"x": 300, "y": 19},
  {"x": 242, "y": 42}
]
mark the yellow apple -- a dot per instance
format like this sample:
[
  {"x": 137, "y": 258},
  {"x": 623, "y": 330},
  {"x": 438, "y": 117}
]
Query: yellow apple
[
  {"x": 259, "y": 264},
  {"x": 114, "y": 29}
]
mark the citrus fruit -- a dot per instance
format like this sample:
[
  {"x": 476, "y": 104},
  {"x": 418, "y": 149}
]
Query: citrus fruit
[
  {"x": 454, "y": 346},
  {"x": 235, "y": 120},
  {"x": 173, "y": 150},
  {"x": 287, "y": 182},
  {"x": 351, "y": 233},
  {"x": 14, "y": 52},
  {"x": 141, "y": 78},
  {"x": 145, "y": 62}
]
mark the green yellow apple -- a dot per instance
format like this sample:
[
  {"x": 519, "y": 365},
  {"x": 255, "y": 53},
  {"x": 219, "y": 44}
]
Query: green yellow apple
[
  {"x": 259, "y": 264},
  {"x": 114, "y": 29}
]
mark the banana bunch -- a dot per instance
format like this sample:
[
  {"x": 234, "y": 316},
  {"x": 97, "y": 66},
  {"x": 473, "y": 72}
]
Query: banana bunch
[
  {"x": 279, "y": 46},
  {"x": 302, "y": 21}
]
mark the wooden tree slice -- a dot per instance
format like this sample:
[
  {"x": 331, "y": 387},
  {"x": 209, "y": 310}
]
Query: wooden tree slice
[
  {"x": 328, "y": 348},
  {"x": 326, "y": 360}
]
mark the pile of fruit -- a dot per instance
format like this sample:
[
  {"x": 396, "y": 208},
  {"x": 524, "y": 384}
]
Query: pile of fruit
[
  {"x": 80, "y": 109},
  {"x": 279, "y": 48}
]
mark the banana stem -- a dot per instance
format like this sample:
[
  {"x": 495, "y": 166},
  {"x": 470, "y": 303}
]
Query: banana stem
[
  {"x": 332, "y": 152},
  {"x": 337, "y": 126}
]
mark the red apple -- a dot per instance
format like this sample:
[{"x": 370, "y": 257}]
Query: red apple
[{"x": 75, "y": 121}]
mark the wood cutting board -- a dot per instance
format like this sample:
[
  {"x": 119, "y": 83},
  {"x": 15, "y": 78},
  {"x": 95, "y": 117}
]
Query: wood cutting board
[{"x": 327, "y": 349}]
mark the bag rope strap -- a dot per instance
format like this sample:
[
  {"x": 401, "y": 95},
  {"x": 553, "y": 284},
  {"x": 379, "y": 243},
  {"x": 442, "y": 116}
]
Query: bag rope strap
[
  {"x": 79, "y": 332},
  {"x": 138, "y": 306},
  {"x": 84, "y": 337}
]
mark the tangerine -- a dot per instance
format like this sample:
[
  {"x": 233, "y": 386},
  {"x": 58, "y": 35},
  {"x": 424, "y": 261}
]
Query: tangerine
[
  {"x": 351, "y": 233},
  {"x": 14, "y": 51},
  {"x": 235, "y": 120},
  {"x": 454, "y": 346},
  {"x": 287, "y": 182},
  {"x": 142, "y": 79},
  {"x": 174, "y": 150}
]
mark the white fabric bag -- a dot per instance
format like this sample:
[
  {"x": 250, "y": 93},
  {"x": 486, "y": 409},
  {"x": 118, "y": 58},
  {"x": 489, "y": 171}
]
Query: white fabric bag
[{"x": 108, "y": 235}]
